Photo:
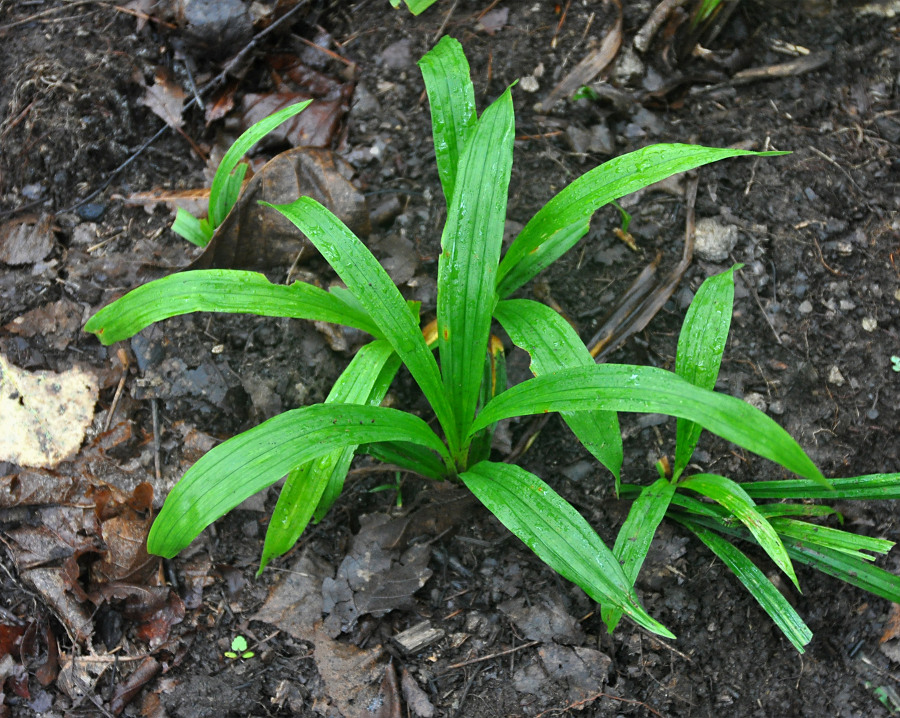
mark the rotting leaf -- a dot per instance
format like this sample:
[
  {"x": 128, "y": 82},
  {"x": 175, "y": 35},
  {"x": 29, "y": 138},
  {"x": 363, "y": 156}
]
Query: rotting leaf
[
  {"x": 56, "y": 322},
  {"x": 26, "y": 240},
  {"x": 165, "y": 98},
  {"x": 315, "y": 127},
  {"x": 415, "y": 697},
  {"x": 389, "y": 694},
  {"x": 255, "y": 237},
  {"x": 44, "y": 415}
]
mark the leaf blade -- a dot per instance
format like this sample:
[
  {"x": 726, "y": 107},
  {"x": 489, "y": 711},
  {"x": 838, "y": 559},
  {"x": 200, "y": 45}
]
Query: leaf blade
[
  {"x": 467, "y": 268},
  {"x": 219, "y": 290},
  {"x": 553, "y": 344},
  {"x": 249, "y": 462},
  {"x": 701, "y": 344},
  {"x": 550, "y": 526},
  {"x": 451, "y": 97},
  {"x": 369, "y": 281},
  {"x": 574, "y": 205},
  {"x": 623, "y": 387}
]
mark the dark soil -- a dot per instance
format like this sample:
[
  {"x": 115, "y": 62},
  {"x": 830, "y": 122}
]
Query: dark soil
[{"x": 816, "y": 322}]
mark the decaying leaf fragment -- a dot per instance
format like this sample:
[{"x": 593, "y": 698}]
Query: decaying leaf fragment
[
  {"x": 43, "y": 415},
  {"x": 257, "y": 237}
]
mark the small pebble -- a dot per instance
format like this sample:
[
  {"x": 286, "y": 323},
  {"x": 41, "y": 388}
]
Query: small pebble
[
  {"x": 805, "y": 307},
  {"x": 91, "y": 212},
  {"x": 756, "y": 399},
  {"x": 835, "y": 377},
  {"x": 870, "y": 324},
  {"x": 529, "y": 83}
]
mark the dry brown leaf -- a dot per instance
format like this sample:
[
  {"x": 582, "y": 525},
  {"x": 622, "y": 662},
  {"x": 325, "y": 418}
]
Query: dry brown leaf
[
  {"x": 57, "y": 323},
  {"x": 26, "y": 240},
  {"x": 44, "y": 415},
  {"x": 195, "y": 201},
  {"x": 165, "y": 98},
  {"x": 316, "y": 126},
  {"x": 255, "y": 237}
]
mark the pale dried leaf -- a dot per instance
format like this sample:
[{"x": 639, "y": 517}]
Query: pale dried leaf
[
  {"x": 165, "y": 98},
  {"x": 44, "y": 415}
]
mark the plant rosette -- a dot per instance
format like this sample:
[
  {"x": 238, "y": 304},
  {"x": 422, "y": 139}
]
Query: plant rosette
[{"x": 460, "y": 370}]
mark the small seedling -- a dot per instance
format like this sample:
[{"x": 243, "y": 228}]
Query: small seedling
[
  {"x": 895, "y": 362},
  {"x": 466, "y": 386},
  {"x": 239, "y": 649}
]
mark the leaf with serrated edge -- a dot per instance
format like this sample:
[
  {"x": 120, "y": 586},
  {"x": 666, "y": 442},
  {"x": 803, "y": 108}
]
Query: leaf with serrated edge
[
  {"x": 251, "y": 461},
  {"x": 622, "y": 387},
  {"x": 553, "y": 344},
  {"x": 219, "y": 290},
  {"x": 558, "y": 534},
  {"x": 701, "y": 344},
  {"x": 729, "y": 494}
]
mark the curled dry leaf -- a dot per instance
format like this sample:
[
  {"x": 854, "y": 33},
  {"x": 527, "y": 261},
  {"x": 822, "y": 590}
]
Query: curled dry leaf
[
  {"x": 44, "y": 415},
  {"x": 256, "y": 237},
  {"x": 165, "y": 98}
]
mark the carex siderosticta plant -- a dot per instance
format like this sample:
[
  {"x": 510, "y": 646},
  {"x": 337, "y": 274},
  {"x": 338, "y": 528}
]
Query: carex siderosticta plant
[{"x": 313, "y": 446}]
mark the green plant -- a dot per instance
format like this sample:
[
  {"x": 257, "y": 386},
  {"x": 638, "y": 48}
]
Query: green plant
[
  {"x": 314, "y": 445},
  {"x": 229, "y": 177},
  {"x": 415, "y": 6},
  {"x": 239, "y": 649}
]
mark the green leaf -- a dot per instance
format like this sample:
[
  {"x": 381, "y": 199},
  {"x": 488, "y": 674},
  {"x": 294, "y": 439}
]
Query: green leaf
[
  {"x": 556, "y": 221},
  {"x": 871, "y": 487},
  {"x": 542, "y": 257},
  {"x": 419, "y": 6},
  {"x": 701, "y": 344},
  {"x": 773, "y": 510},
  {"x": 729, "y": 494},
  {"x": 220, "y": 193},
  {"x": 368, "y": 280},
  {"x": 305, "y": 485},
  {"x": 553, "y": 344},
  {"x": 408, "y": 457},
  {"x": 251, "y": 461},
  {"x": 847, "y": 568},
  {"x": 762, "y": 589},
  {"x": 636, "y": 534},
  {"x": 827, "y": 537},
  {"x": 494, "y": 382},
  {"x": 558, "y": 534},
  {"x": 452, "y": 100},
  {"x": 467, "y": 268},
  {"x": 196, "y": 231},
  {"x": 219, "y": 290},
  {"x": 622, "y": 387}
]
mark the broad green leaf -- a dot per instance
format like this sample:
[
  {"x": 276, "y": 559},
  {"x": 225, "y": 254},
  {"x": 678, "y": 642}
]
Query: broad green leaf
[
  {"x": 847, "y": 568},
  {"x": 416, "y": 6},
  {"x": 305, "y": 485},
  {"x": 219, "y": 290},
  {"x": 251, "y": 461},
  {"x": 701, "y": 344},
  {"x": 553, "y": 344},
  {"x": 452, "y": 100},
  {"x": 196, "y": 231},
  {"x": 729, "y": 494},
  {"x": 871, "y": 487},
  {"x": 558, "y": 534},
  {"x": 470, "y": 253},
  {"x": 542, "y": 257},
  {"x": 762, "y": 589},
  {"x": 622, "y": 387},
  {"x": 572, "y": 208},
  {"x": 231, "y": 189},
  {"x": 636, "y": 534},
  {"x": 827, "y": 537},
  {"x": 369, "y": 281},
  {"x": 218, "y": 193}
]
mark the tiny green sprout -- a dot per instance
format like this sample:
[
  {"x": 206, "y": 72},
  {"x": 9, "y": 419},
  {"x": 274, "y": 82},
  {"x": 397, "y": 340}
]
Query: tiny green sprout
[
  {"x": 585, "y": 93},
  {"x": 239, "y": 649},
  {"x": 396, "y": 485},
  {"x": 895, "y": 363}
]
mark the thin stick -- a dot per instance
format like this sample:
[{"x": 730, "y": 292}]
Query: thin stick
[
  {"x": 154, "y": 408},
  {"x": 123, "y": 357},
  {"x": 443, "y": 26},
  {"x": 493, "y": 655},
  {"x": 51, "y": 11}
]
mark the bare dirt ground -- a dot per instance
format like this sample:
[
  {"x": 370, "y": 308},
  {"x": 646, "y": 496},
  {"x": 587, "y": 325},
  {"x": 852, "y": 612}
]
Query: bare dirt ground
[{"x": 87, "y": 629}]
